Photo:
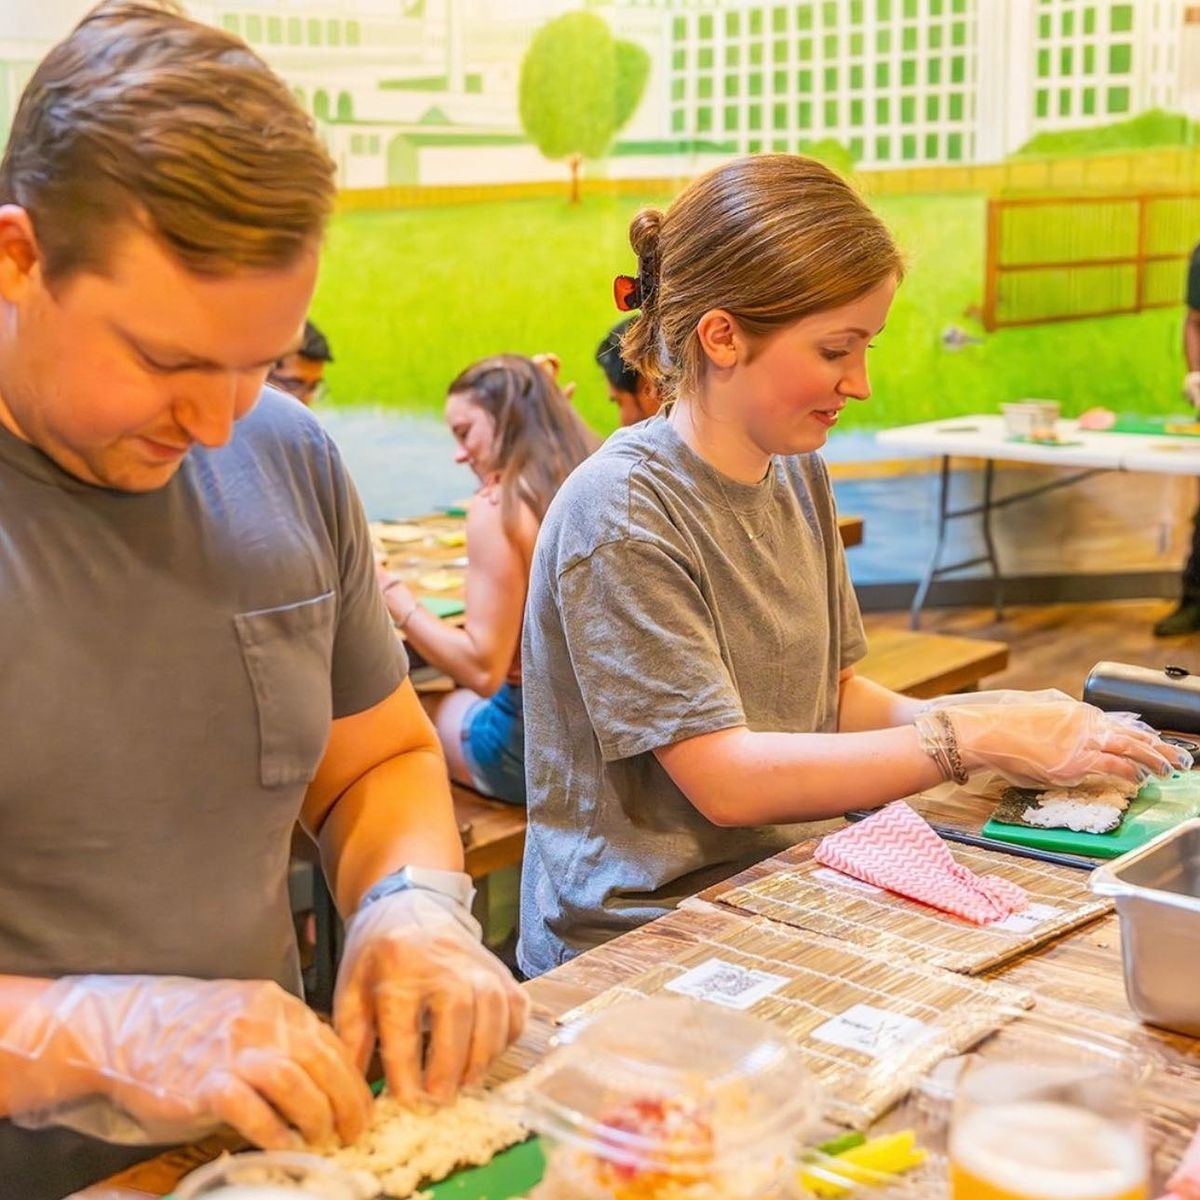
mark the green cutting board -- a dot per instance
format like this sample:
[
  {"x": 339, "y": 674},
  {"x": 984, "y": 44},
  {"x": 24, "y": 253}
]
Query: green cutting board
[
  {"x": 1152, "y": 423},
  {"x": 511, "y": 1173},
  {"x": 444, "y": 606},
  {"x": 1147, "y": 816}
]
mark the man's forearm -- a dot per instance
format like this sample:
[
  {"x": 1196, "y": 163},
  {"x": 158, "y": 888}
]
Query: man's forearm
[
  {"x": 34, "y": 1065},
  {"x": 399, "y": 813}
]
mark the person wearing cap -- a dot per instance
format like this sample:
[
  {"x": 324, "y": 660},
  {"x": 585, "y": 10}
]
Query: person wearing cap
[{"x": 195, "y": 650}]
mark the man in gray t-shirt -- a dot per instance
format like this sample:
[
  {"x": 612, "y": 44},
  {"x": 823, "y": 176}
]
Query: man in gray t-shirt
[
  {"x": 195, "y": 651},
  {"x": 701, "y": 625}
]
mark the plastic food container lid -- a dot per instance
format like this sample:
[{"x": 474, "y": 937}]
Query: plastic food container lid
[
  {"x": 672, "y": 1084},
  {"x": 271, "y": 1175}
]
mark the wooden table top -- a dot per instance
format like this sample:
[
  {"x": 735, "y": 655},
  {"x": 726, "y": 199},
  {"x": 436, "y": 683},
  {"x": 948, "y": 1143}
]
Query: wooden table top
[
  {"x": 443, "y": 550},
  {"x": 1077, "y": 979}
]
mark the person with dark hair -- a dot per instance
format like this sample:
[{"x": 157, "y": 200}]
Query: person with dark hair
[
  {"x": 195, "y": 650},
  {"x": 635, "y": 396},
  {"x": 1186, "y": 616},
  {"x": 518, "y": 432},
  {"x": 691, "y": 633},
  {"x": 301, "y": 372}
]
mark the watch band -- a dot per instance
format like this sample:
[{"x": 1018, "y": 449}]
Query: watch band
[{"x": 453, "y": 890}]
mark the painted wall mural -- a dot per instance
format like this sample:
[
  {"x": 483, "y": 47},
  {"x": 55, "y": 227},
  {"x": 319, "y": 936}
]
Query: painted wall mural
[{"x": 464, "y": 129}]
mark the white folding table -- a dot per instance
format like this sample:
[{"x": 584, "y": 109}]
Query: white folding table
[{"x": 984, "y": 437}]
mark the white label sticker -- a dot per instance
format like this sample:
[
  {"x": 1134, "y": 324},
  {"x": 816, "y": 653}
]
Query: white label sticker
[
  {"x": 1028, "y": 919},
  {"x": 871, "y": 1031},
  {"x": 727, "y": 984},
  {"x": 829, "y": 875}
]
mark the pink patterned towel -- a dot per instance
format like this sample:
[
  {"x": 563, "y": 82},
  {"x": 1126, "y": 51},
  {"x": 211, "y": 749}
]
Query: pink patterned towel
[{"x": 897, "y": 850}]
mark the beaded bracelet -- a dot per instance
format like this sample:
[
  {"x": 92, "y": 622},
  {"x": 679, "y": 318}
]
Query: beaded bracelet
[{"x": 935, "y": 731}]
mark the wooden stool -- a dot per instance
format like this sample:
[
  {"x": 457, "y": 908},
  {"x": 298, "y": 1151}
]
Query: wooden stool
[{"x": 930, "y": 664}]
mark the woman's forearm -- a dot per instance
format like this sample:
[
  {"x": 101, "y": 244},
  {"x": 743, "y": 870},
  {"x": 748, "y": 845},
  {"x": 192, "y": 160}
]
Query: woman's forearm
[
  {"x": 456, "y": 651},
  {"x": 736, "y": 777}
]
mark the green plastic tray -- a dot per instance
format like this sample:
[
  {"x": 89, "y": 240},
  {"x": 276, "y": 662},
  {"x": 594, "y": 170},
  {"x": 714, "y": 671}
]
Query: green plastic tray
[
  {"x": 1153, "y": 424},
  {"x": 1149, "y": 814},
  {"x": 1059, "y": 444},
  {"x": 511, "y": 1173},
  {"x": 444, "y": 606}
]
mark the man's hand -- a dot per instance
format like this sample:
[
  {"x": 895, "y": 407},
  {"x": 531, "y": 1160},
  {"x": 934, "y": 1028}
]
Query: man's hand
[
  {"x": 413, "y": 972},
  {"x": 181, "y": 1057},
  {"x": 1191, "y": 388}
]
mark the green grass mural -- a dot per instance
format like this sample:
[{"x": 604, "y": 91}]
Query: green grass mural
[
  {"x": 1149, "y": 129},
  {"x": 410, "y": 297}
]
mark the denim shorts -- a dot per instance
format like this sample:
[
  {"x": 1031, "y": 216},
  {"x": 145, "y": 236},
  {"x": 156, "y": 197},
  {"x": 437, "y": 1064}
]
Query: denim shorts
[{"x": 493, "y": 742}]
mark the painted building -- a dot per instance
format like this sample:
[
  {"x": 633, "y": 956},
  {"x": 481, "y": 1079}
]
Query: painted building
[
  {"x": 902, "y": 82},
  {"x": 425, "y": 91}
]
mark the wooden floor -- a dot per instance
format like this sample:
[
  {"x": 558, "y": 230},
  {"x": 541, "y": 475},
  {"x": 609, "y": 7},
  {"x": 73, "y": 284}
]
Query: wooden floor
[{"x": 1057, "y": 645}]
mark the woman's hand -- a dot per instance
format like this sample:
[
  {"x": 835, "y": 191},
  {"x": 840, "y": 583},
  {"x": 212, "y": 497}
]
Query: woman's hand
[
  {"x": 400, "y": 601},
  {"x": 1055, "y": 741}
]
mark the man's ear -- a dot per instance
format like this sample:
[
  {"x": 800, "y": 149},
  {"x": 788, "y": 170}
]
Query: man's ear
[
  {"x": 647, "y": 397},
  {"x": 19, "y": 258},
  {"x": 720, "y": 338}
]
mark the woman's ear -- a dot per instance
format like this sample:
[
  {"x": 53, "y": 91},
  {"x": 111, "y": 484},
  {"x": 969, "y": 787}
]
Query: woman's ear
[{"x": 720, "y": 338}]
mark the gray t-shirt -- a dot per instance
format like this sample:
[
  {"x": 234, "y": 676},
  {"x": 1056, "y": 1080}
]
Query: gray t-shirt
[
  {"x": 171, "y": 664},
  {"x": 666, "y": 601}
]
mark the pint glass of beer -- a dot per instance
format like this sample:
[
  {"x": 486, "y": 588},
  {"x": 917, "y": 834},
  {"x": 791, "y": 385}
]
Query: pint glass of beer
[{"x": 1046, "y": 1131}]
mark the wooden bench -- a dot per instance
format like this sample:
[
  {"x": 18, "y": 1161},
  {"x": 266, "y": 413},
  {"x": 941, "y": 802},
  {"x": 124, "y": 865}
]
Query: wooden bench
[
  {"x": 493, "y": 833},
  {"x": 930, "y": 664}
]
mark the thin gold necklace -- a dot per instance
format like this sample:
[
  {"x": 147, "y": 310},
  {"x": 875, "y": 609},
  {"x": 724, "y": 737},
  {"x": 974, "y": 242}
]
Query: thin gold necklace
[{"x": 751, "y": 534}]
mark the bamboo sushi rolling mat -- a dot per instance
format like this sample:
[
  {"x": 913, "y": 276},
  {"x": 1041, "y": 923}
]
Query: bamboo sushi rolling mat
[
  {"x": 868, "y": 1029},
  {"x": 794, "y": 889},
  {"x": 1076, "y": 978}
]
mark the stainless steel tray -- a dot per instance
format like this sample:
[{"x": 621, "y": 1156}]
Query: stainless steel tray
[{"x": 1157, "y": 893}]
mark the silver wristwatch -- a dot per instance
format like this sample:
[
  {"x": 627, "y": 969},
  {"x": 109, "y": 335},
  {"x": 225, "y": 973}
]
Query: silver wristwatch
[{"x": 453, "y": 890}]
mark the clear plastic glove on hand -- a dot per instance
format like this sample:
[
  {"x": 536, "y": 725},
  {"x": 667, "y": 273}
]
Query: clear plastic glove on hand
[
  {"x": 413, "y": 973},
  {"x": 1051, "y": 739},
  {"x": 149, "y": 1059},
  {"x": 994, "y": 697},
  {"x": 1191, "y": 388}
]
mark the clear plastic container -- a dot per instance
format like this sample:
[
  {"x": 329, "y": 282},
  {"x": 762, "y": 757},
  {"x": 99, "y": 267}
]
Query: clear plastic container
[
  {"x": 670, "y": 1099},
  {"x": 272, "y": 1175}
]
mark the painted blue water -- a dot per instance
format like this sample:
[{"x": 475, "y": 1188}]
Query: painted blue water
[{"x": 403, "y": 464}]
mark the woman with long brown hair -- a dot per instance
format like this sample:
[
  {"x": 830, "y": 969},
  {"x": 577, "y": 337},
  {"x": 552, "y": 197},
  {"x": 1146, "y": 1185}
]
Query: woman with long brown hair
[
  {"x": 519, "y": 434},
  {"x": 691, "y": 630}
]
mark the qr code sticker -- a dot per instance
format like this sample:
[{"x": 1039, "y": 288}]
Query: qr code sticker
[{"x": 726, "y": 984}]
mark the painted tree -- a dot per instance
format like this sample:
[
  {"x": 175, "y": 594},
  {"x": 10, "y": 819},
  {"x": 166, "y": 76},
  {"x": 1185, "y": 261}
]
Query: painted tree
[
  {"x": 579, "y": 85},
  {"x": 833, "y": 154}
]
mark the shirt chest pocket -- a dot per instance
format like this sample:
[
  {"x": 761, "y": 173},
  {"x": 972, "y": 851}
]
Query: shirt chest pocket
[{"x": 288, "y": 652}]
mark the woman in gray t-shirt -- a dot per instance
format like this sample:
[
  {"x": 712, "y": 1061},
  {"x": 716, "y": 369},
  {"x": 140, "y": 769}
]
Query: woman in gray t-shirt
[{"x": 691, "y": 630}]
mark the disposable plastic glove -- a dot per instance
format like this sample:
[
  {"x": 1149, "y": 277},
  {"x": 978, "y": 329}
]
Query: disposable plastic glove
[
  {"x": 412, "y": 973},
  {"x": 1056, "y": 741},
  {"x": 1191, "y": 388},
  {"x": 995, "y": 696},
  {"x": 152, "y": 1059}
]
